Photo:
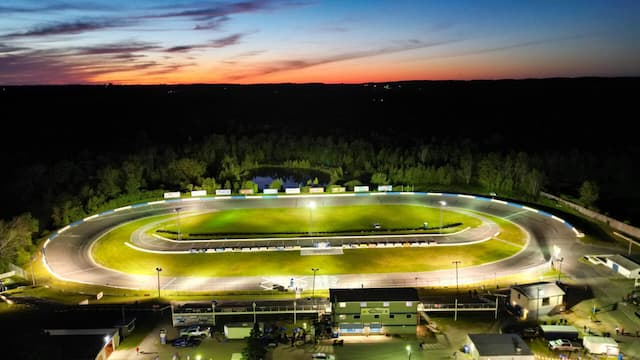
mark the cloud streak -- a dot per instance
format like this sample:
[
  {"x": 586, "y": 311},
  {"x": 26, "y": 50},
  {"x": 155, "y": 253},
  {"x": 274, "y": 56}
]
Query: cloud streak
[
  {"x": 66, "y": 28},
  {"x": 217, "y": 43},
  {"x": 297, "y": 64},
  {"x": 219, "y": 11}
]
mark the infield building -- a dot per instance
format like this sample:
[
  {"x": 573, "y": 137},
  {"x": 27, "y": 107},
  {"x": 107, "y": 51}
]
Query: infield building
[{"x": 374, "y": 311}]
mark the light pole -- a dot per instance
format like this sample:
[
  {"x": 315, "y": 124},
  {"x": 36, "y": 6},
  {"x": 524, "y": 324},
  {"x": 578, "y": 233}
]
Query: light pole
[
  {"x": 456, "y": 262},
  {"x": 538, "y": 305},
  {"x": 409, "y": 351},
  {"x": 311, "y": 205},
  {"x": 442, "y": 204},
  {"x": 560, "y": 267},
  {"x": 254, "y": 312},
  {"x": 178, "y": 213},
  {"x": 313, "y": 291},
  {"x": 158, "y": 269}
]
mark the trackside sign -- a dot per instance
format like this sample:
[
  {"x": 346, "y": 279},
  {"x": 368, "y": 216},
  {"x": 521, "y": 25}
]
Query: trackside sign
[
  {"x": 374, "y": 311},
  {"x": 172, "y": 195}
]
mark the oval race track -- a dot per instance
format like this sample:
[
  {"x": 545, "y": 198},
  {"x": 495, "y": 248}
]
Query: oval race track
[{"x": 66, "y": 253}]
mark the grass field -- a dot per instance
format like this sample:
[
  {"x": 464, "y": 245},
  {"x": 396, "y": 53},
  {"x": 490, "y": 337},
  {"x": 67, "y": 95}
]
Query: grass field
[
  {"x": 111, "y": 252},
  {"x": 336, "y": 219}
]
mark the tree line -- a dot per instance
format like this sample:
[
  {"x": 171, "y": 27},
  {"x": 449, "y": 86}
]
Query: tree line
[{"x": 72, "y": 189}]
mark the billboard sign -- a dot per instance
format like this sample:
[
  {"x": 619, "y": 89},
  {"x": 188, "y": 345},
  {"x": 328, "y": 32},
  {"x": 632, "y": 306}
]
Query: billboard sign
[
  {"x": 223, "y": 192},
  {"x": 315, "y": 190},
  {"x": 172, "y": 195},
  {"x": 338, "y": 189},
  {"x": 270, "y": 191},
  {"x": 385, "y": 187},
  {"x": 246, "y": 191},
  {"x": 292, "y": 190},
  {"x": 363, "y": 188},
  {"x": 199, "y": 193}
]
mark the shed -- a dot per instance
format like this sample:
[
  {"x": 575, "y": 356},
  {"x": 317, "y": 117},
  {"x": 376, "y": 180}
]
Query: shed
[
  {"x": 624, "y": 266},
  {"x": 498, "y": 347}
]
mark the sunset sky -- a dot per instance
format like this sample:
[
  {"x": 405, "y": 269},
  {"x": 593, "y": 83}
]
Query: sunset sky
[{"x": 347, "y": 41}]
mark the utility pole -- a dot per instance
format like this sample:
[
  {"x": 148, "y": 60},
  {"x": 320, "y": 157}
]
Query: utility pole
[
  {"x": 313, "y": 291},
  {"x": 559, "y": 267},
  {"x": 456, "y": 262},
  {"x": 178, "y": 213},
  {"x": 158, "y": 269}
]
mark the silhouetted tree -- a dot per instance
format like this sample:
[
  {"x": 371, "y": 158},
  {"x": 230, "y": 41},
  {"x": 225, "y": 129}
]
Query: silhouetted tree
[
  {"x": 255, "y": 349},
  {"x": 589, "y": 193}
]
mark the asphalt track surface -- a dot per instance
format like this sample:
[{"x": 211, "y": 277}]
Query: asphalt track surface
[{"x": 67, "y": 256}]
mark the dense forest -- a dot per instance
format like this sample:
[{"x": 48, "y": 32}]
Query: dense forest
[{"x": 78, "y": 150}]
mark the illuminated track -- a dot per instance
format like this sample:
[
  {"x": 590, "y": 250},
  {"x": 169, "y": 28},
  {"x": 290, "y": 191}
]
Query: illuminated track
[{"x": 66, "y": 253}]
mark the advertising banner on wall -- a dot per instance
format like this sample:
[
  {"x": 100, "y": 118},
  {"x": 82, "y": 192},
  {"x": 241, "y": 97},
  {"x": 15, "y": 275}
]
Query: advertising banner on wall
[
  {"x": 385, "y": 187},
  {"x": 246, "y": 191},
  {"x": 338, "y": 189},
  {"x": 315, "y": 190},
  {"x": 362, "y": 188},
  {"x": 292, "y": 190},
  {"x": 172, "y": 195},
  {"x": 223, "y": 192},
  {"x": 199, "y": 193},
  {"x": 270, "y": 191}
]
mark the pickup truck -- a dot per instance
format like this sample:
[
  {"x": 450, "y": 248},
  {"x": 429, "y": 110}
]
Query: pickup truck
[
  {"x": 195, "y": 330},
  {"x": 563, "y": 345}
]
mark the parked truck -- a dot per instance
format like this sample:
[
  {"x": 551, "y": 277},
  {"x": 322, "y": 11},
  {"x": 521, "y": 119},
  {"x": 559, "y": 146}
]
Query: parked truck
[{"x": 600, "y": 345}]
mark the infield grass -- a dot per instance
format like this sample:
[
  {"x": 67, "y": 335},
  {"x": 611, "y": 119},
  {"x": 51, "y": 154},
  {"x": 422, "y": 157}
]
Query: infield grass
[
  {"x": 325, "y": 220},
  {"x": 111, "y": 252}
]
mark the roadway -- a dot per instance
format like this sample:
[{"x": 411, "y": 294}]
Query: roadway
[{"x": 68, "y": 256}]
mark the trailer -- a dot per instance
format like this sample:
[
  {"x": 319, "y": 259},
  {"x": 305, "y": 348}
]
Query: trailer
[
  {"x": 239, "y": 330},
  {"x": 600, "y": 345},
  {"x": 554, "y": 332}
]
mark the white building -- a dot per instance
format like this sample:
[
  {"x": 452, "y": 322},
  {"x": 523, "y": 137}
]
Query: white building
[
  {"x": 623, "y": 266},
  {"x": 498, "y": 347},
  {"x": 537, "y": 299}
]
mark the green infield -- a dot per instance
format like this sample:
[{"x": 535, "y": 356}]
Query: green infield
[
  {"x": 322, "y": 220},
  {"x": 110, "y": 251}
]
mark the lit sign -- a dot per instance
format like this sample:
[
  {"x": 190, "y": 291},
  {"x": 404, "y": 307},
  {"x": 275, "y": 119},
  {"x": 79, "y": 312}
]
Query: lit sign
[{"x": 374, "y": 311}]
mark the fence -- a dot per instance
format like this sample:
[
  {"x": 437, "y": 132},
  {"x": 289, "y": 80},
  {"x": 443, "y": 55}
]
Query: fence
[{"x": 613, "y": 223}]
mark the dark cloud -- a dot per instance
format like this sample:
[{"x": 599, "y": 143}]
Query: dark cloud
[
  {"x": 296, "y": 64},
  {"x": 201, "y": 12},
  {"x": 167, "y": 69},
  {"x": 226, "y": 41},
  {"x": 182, "y": 48},
  {"x": 117, "y": 48},
  {"x": 8, "y": 49},
  {"x": 517, "y": 45},
  {"x": 66, "y": 66},
  {"x": 213, "y": 24},
  {"x": 37, "y": 68},
  {"x": 58, "y": 6},
  {"x": 66, "y": 28},
  {"x": 217, "y": 43},
  {"x": 221, "y": 10}
]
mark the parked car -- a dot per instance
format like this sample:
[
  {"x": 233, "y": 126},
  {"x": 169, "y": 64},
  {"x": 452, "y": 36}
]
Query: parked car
[
  {"x": 186, "y": 341},
  {"x": 563, "y": 345},
  {"x": 322, "y": 356},
  {"x": 195, "y": 330}
]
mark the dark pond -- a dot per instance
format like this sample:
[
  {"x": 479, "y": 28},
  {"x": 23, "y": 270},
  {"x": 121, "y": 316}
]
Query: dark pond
[{"x": 291, "y": 177}]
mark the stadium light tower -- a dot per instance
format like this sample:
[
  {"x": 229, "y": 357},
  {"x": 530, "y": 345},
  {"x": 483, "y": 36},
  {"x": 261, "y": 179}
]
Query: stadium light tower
[
  {"x": 311, "y": 205},
  {"x": 158, "y": 269},
  {"x": 177, "y": 210},
  {"x": 442, "y": 204},
  {"x": 313, "y": 291}
]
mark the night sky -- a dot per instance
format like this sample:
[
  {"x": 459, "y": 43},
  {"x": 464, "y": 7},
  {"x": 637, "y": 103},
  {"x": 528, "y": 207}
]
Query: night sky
[{"x": 354, "y": 41}]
